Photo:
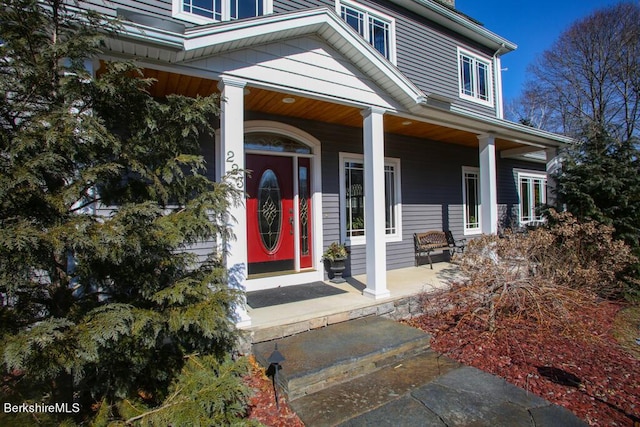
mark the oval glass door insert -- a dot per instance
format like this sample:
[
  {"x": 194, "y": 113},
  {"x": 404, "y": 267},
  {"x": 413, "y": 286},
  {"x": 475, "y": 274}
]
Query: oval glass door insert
[{"x": 269, "y": 210}]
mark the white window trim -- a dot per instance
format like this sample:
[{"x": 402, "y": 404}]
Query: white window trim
[
  {"x": 382, "y": 16},
  {"x": 490, "y": 80},
  {"x": 361, "y": 240},
  {"x": 523, "y": 173},
  {"x": 467, "y": 230},
  {"x": 177, "y": 12}
]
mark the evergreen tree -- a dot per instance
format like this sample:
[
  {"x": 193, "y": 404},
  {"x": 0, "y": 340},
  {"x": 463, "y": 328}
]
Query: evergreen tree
[
  {"x": 600, "y": 180},
  {"x": 105, "y": 308}
]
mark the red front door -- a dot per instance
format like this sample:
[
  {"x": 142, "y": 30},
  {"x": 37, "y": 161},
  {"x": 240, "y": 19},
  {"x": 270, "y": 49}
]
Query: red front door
[{"x": 270, "y": 214}]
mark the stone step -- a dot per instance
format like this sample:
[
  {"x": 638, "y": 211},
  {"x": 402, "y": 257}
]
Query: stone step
[
  {"x": 321, "y": 358},
  {"x": 343, "y": 402}
]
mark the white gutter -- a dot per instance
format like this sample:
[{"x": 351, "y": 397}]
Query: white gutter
[
  {"x": 480, "y": 124},
  {"x": 497, "y": 82}
]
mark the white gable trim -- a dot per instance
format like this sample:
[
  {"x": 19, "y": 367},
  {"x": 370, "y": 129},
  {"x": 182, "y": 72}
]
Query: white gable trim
[
  {"x": 323, "y": 22},
  {"x": 306, "y": 65}
]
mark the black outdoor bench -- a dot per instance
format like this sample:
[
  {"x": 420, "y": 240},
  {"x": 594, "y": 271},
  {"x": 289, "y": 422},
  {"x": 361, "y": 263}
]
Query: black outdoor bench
[{"x": 433, "y": 240}]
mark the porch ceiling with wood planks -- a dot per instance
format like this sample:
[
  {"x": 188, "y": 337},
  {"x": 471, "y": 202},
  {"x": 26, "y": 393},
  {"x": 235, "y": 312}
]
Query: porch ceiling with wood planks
[{"x": 271, "y": 102}]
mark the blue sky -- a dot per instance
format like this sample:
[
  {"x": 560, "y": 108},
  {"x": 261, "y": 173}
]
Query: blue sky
[{"x": 532, "y": 25}]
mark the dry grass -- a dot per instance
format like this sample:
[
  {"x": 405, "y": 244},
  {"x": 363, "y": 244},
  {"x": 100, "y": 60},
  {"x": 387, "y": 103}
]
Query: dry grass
[{"x": 626, "y": 329}]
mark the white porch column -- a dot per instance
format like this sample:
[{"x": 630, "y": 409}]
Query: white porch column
[
  {"x": 376, "y": 250},
  {"x": 488, "y": 185},
  {"x": 554, "y": 164},
  {"x": 231, "y": 157}
]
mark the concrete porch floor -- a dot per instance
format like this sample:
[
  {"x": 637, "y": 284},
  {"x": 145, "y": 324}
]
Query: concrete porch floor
[{"x": 402, "y": 283}]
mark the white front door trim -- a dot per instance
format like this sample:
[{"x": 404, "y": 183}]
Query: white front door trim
[{"x": 316, "y": 273}]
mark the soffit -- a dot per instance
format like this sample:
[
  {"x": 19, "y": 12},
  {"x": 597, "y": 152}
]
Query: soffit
[{"x": 270, "y": 102}]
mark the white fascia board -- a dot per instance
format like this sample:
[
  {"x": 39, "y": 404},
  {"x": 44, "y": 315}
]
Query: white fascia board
[
  {"x": 518, "y": 152},
  {"x": 481, "y": 124},
  {"x": 152, "y": 35},
  {"x": 454, "y": 21}
]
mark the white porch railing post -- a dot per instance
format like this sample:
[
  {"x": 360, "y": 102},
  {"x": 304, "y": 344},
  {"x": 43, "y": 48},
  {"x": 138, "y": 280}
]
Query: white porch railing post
[
  {"x": 231, "y": 157},
  {"x": 488, "y": 184},
  {"x": 376, "y": 251}
]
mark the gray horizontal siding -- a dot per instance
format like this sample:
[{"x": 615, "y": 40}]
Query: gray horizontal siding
[
  {"x": 508, "y": 199},
  {"x": 280, "y": 6},
  {"x": 157, "y": 8},
  {"x": 431, "y": 174},
  {"x": 426, "y": 51},
  {"x": 427, "y": 54}
]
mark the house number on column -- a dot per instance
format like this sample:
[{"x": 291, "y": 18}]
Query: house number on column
[{"x": 239, "y": 178}]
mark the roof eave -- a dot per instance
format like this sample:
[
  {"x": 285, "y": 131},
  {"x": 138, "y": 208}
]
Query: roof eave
[
  {"x": 500, "y": 128},
  {"x": 450, "y": 19}
]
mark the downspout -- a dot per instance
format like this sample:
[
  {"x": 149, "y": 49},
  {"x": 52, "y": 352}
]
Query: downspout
[{"x": 497, "y": 81}]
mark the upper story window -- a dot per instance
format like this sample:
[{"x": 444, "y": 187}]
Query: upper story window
[
  {"x": 475, "y": 77},
  {"x": 207, "y": 11},
  {"x": 375, "y": 27}
]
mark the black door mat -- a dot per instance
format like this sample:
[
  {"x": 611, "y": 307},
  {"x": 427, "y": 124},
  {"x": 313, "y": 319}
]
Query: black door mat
[{"x": 288, "y": 294}]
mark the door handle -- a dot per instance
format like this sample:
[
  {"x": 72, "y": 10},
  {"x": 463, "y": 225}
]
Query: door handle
[{"x": 291, "y": 222}]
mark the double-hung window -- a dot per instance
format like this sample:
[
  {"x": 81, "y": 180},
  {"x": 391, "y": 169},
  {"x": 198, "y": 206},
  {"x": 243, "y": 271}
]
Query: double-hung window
[
  {"x": 206, "y": 11},
  {"x": 352, "y": 198},
  {"x": 375, "y": 27},
  {"x": 532, "y": 190},
  {"x": 475, "y": 77},
  {"x": 471, "y": 199}
]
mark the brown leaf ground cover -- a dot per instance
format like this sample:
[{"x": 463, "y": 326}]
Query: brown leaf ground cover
[{"x": 590, "y": 374}]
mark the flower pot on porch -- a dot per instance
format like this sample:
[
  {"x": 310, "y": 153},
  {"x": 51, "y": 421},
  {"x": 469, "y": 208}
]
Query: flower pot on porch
[
  {"x": 336, "y": 268},
  {"x": 334, "y": 258}
]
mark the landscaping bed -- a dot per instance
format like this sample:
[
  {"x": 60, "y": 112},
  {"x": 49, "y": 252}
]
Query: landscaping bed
[{"x": 592, "y": 375}]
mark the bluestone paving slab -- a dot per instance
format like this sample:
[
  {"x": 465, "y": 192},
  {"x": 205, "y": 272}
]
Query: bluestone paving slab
[
  {"x": 473, "y": 380},
  {"x": 320, "y": 358},
  {"x": 554, "y": 415},
  {"x": 405, "y": 411},
  {"x": 339, "y": 403},
  {"x": 468, "y": 396}
]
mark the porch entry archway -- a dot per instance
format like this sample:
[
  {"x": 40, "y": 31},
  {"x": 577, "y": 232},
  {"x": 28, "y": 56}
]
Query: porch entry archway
[{"x": 279, "y": 204}]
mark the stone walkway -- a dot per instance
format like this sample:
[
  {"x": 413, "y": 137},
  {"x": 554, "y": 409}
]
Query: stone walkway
[{"x": 378, "y": 372}]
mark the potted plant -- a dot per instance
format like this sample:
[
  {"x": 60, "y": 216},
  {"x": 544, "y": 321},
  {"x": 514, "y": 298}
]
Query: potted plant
[{"x": 334, "y": 257}]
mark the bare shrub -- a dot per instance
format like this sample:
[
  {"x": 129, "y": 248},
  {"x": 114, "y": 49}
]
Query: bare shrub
[{"x": 544, "y": 275}]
